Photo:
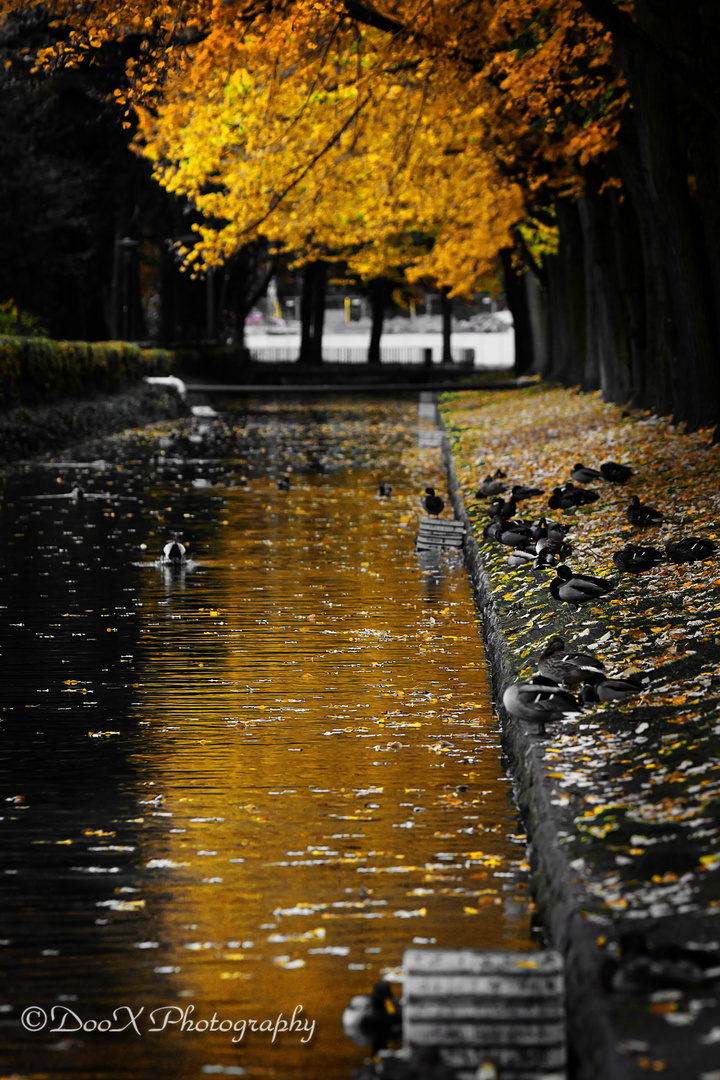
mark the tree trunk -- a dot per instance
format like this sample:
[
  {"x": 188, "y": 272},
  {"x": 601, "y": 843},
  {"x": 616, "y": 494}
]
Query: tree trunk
[
  {"x": 537, "y": 315},
  {"x": 312, "y": 313},
  {"x": 517, "y": 298},
  {"x": 664, "y": 163},
  {"x": 377, "y": 293},
  {"x": 566, "y": 301},
  {"x": 318, "y": 312},
  {"x": 656, "y": 334},
  {"x": 446, "y": 309}
]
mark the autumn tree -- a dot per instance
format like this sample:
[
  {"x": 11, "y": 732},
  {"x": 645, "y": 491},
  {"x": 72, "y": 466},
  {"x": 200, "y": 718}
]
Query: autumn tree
[{"x": 331, "y": 125}]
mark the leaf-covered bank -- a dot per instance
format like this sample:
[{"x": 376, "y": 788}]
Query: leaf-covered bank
[{"x": 622, "y": 802}]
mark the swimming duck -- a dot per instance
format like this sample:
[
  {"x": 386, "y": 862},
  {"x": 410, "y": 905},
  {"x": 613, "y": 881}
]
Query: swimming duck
[
  {"x": 431, "y": 503},
  {"x": 519, "y": 491},
  {"x": 690, "y": 549},
  {"x": 615, "y": 473},
  {"x": 373, "y": 1018},
  {"x": 578, "y": 588},
  {"x": 537, "y": 702},
  {"x": 635, "y": 560},
  {"x": 583, "y": 474},
  {"x": 174, "y": 553},
  {"x": 385, "y": 489},
  {"x": 562, "y": 665},
  {"x": 612, "y": 689},
  {"x": 491, "y": 485},
  {"x": 644, "y": 968},
  {"x": 283, "y": 483},
  {"x": 642, "y": 515},
  {"x": 568, "y": 496}
]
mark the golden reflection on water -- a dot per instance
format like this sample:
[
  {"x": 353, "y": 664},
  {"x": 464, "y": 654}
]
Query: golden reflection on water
[{"x": 319, "y": 766}]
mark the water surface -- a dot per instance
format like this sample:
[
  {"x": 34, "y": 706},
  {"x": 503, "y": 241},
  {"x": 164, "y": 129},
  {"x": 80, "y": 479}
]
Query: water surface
[{"x": 240, "y": 790}]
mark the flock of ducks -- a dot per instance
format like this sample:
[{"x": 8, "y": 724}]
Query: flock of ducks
[{"x": 565, "y": 680}]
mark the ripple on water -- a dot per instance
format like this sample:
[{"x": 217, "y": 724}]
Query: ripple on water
[{"x": 245, "y": 788}]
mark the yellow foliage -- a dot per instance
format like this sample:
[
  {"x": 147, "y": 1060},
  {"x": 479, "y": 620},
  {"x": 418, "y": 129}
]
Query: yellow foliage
[{"x": 395, "y": 134}]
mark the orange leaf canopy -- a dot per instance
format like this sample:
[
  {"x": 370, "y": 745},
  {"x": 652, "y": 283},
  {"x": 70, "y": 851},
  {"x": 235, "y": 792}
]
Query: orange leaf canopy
[{"x": 400, "y": 133}]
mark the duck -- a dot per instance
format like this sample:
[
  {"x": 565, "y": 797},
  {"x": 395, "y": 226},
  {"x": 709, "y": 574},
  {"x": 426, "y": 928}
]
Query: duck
[
  {"x": 493, "y": 529},
  {"x": 616, "y": 473},
  {"x": 431, "y": 503},
  {"x": 690, "y": 549},
  {"x": 514, "y": 534},
  {"x": 562, "y": 665},
  {"x": 553, "y": 546},
  {"x": 567, "y": 496},
  {"x": 612, "y": 689},
  {"x": 520, "y": 491},
  {"x": 578, "y": 588},
  {"x": 642, "y": 515},
  {"x": 551, "y": 530},
  {"x": 174, "y": 553},
  {"x": 539, "y": 702},
  {"x": 522, "y": 556},
  {"x": 385, "y": 489},
  {"x": 283, "y": 483},
  {"x": 373, "y": 1018},
  {"x": 583, "y": 474},
  {"x": 635, "y": 560},
  {"x": 546, "y": 557},
  {"x": 645, "y": 968},
  {"x": 556, "y": 530},
  {"x": 502, "y": 509},
  {"x": 491, "y": 485}
]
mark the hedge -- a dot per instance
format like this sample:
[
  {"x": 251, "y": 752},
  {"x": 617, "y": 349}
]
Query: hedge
[{"x": 35, "y": 369}]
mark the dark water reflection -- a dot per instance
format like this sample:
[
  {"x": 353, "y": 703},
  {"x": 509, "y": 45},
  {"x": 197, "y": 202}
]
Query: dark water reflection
[{"x": 239, "y": 791}]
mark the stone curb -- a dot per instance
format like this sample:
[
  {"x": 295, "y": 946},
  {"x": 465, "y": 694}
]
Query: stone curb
[{"x": 592, "y": 1037}]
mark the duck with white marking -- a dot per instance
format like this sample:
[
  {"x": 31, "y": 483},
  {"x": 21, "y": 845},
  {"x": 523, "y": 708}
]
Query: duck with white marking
[
  {"x": 636, "y": 560},
  {"x": 567, "y": 666},
  {"x": 690, "y": 549},
  {"x": 643, "y": 516},
  {"x": 174, "y": 552},
  {"x": 576, "y": 589}
]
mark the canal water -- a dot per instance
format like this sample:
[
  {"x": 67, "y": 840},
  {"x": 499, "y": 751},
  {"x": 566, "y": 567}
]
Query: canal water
[{"x": 238, "y": 791}]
